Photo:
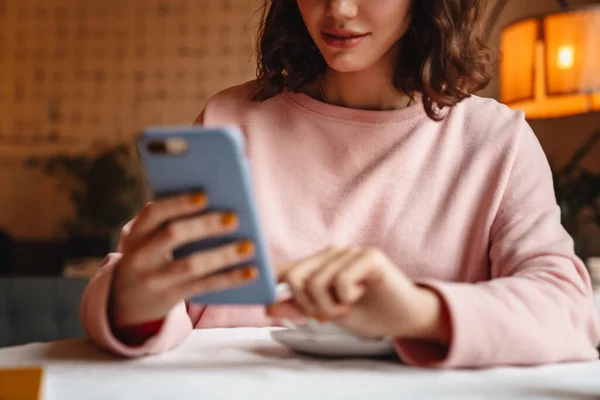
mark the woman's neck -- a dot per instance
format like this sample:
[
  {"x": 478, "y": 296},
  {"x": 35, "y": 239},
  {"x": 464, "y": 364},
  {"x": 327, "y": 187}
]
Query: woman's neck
[{"x": 368, "y": 89}]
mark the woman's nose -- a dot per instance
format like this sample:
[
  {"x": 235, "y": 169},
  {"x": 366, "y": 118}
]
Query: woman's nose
[{"x": 343, "y": 9}]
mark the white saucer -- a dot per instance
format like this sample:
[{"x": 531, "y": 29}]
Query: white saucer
[{"x": 332, "y": 345}]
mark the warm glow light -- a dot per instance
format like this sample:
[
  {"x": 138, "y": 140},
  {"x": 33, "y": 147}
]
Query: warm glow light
[
  {"x": 550, "y": 66},
  {"x": 566, "y": 57}
]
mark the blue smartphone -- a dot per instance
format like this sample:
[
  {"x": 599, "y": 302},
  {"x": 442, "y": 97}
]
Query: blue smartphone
[{"x": 180, "y": 160}]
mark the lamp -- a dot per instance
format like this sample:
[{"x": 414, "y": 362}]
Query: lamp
[{"x": 550, "y": 65}]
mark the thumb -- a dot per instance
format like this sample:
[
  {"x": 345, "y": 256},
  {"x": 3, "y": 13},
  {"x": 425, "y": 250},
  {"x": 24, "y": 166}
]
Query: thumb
[{"x": 285, "y": 309}]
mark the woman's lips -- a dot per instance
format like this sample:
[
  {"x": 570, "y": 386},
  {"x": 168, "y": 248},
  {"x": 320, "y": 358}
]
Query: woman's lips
[{"x": 343, "y": 39}]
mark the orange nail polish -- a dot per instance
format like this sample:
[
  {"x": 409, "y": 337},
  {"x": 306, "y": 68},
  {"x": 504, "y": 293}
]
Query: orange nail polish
[
  {"x": 250, "y": 273},
  {"x": 245, "y": 248},
  {"x": 199, "y": 199},
  {"x": 321, "y": 318},
  {"x": 228, "y": 220}
]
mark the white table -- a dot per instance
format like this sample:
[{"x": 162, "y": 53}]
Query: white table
[{"x": 246, "y": 364}]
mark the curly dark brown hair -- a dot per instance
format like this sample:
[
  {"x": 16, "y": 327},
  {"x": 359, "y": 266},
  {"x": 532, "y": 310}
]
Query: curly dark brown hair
[{"x": 443, "y": 56}]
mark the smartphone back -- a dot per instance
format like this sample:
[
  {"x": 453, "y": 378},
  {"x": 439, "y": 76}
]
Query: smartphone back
[{"x": 211, "y": 160}]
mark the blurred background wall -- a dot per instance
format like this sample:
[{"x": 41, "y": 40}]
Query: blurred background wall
[{"x": 76, "y": 75}]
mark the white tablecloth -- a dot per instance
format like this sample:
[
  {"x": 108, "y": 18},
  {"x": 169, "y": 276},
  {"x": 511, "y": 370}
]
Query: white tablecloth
[{"x": 246, "y": 364}]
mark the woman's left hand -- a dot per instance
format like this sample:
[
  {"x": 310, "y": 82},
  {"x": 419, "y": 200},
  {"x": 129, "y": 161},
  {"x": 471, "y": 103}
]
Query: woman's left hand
[{"x": 364, "y": 292}]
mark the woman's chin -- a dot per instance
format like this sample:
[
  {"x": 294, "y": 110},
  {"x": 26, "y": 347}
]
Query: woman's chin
[{"x": 347, "y": 64}]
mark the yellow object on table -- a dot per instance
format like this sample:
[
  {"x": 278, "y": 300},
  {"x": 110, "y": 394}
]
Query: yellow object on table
[{"x": 21, "y": 383}]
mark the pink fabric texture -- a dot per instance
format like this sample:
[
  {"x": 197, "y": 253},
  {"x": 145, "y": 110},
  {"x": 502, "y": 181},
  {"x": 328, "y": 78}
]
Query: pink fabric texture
[{"x": 464, "y": 206}]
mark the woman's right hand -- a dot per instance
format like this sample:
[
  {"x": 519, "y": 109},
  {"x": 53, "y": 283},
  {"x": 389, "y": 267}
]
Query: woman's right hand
[{"x": 148, "y": 282}]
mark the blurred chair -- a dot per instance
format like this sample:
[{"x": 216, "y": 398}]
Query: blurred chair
[{"x": 39, "y": 309}]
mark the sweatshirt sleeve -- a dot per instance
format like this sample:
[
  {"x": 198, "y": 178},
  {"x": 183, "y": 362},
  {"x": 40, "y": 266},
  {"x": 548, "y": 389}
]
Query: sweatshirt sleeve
[
  {"x": 538, "y": 306},
  {"x": 94, "y": 315}
]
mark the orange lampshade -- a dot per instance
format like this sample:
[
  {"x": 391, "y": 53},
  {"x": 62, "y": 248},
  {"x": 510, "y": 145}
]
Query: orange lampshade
[{"x": 550, "y": 66}]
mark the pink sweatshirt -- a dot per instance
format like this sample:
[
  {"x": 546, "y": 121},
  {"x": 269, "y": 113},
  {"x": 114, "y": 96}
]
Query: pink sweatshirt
[{"x": 465, "y": 206}]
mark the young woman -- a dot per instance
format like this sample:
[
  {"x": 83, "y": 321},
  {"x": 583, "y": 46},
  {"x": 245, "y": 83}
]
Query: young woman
[{"x": 394, "y": 201}]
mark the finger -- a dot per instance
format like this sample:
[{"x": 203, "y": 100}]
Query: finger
[
  {"x": 177, "y": 233},
  {"x": 209, "y": 262},
  {"x": 157, "y": 213},
  {"x": 286, "y": 309},
  {"x": 350, "y": 282},
  {"x": 283, "y": 269},
  {"x": 297, "y": 276},
  {"x": 320, "y": 285},
  {"x": 221, "y": 281}
]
